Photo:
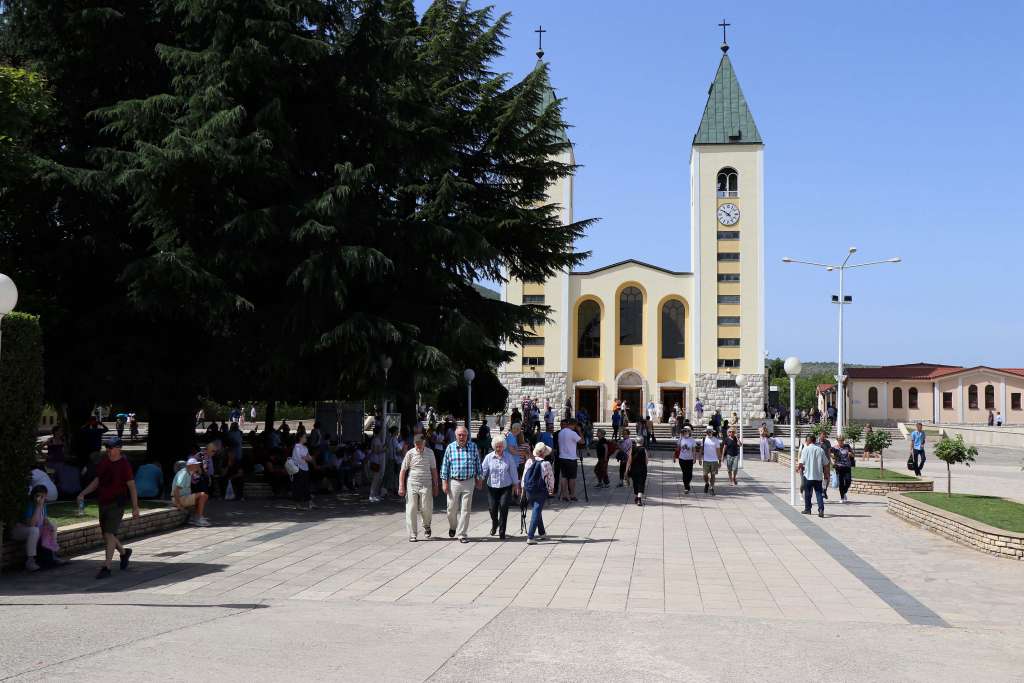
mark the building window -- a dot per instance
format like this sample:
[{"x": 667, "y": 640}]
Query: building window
[
  {"x": 947, "y": 400},
  {"x": 728, "y": 298},
  {"x": 532, "y": 381},
  {"x": 533, "y": 341},
  {"x": 533, "y": 299},
  {"x": 728, "y": 341},
  {"x": 728, "y": 362},
  {"x": 533, "y": 361},
  {"x": 729, "y": 320},
  {"x": 728, "y": 182},
  {"x": 726, "y": 383},
  {"x": 972, "y": 397},
  {"x": 631, "y": 311},
  {"x": 1014, "y": 401},
  {"x": 897, "y": 398},
  {"x": 728, "y": 234},
  {"x": 673, "y": 344},
  {"x": 912, "y": 398},
  {"x": 728, "y": 256},
  {"x": 873, "y": 397},
  {"x": 990, "y": 397},
  {"x": 728, "y": 277},
  {"x": 588, "y": 321}
]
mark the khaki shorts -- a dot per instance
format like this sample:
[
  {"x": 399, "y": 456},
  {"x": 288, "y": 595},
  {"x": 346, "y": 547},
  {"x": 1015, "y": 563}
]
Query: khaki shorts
[
  {"x": 188, "y": 501},
  {"x": 711, "y": 467}
]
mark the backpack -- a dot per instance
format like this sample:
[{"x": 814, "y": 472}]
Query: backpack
[{"x": 535, "y": 485}]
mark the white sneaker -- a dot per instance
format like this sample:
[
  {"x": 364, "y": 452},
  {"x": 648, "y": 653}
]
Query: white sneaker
[
  {"x": 202, "y": 521},
  {"x": 531, "y": 541},
  {"x": 30, "y": 565}
]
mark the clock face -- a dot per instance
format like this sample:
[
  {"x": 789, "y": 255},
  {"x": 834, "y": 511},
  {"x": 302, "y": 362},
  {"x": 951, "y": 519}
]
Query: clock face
[{"x": 728, "y": 214}]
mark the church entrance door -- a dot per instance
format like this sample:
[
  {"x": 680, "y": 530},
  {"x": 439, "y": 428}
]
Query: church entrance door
[
  {"x": 587, "y": 399},
  {"x": 634, "y": 399},
  {"x": 669, "y": 398}
]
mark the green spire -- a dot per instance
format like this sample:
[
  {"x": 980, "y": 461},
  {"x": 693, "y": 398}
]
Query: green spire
[
  {"x": 727, "y": 118},
  {"x": 549, "y": 96}
]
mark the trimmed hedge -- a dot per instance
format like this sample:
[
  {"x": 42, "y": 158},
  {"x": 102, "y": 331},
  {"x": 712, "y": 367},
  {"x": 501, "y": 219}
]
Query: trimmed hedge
[{"x": 21, "y": 402}]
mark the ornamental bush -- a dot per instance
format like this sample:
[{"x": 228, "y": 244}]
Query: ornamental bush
[{"x": 21, "y": 403}]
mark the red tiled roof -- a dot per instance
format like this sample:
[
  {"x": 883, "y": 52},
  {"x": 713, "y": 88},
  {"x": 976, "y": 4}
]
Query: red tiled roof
[
  {"x": 925, "y": 371},
  {"x": 822, "y": 388}
]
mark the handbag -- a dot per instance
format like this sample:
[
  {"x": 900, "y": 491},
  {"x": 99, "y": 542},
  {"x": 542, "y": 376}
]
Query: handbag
[
  {"x": 290, "y": 467},
  {"x": 910, "y": 464}
]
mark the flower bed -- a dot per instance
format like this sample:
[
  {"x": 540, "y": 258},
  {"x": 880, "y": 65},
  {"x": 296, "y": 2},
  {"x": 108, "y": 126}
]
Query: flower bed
[
  {"x": 963, "y": 530},
  {"x": 78, "y": 538}
]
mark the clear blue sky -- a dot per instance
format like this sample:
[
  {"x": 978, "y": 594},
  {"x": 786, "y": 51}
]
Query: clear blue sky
[{"x": 893, "y": 127}]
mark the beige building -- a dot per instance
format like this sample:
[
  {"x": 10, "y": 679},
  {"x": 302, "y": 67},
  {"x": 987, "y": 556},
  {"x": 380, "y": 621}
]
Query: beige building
[
  {"x": 642, "y": 333},
  {"x": 929, "y": 392}
]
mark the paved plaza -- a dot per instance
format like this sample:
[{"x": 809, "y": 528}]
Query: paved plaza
[{"x": 736, "y": 586}]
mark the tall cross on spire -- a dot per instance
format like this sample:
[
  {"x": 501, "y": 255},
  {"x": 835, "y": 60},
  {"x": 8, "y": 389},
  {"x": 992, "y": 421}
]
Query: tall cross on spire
[
  {"x": 540, "y": 41},
  {"x": 725, "y": 43}
]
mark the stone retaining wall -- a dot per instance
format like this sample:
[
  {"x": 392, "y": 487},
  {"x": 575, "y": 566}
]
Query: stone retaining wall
[
  {"x": 79, "y": 538},
  {"x": 873, "y": 487},
  {"x": 957, "y": 528}
]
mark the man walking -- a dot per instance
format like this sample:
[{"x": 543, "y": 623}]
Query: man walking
[
  {"x": 568, "y": 437},
  {"x": 116, "y": 483},
  {"x": 417, "y": 481},
  {"x": 917, "y": 439},
  {"x": 685, "y": 449},
  {"x": 710, "y": 458},
  {"x": 814, "y": 468},
  {"x": 460, "y": 473}
]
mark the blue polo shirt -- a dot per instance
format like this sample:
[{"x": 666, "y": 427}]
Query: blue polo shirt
[{"x": 918, "y": 439}]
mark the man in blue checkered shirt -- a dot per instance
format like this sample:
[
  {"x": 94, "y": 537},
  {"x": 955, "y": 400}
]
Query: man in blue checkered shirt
[{"x": 460, "y": 472}]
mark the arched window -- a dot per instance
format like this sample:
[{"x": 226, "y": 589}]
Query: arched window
[
  {"x": 972, "y": 397},
  {"x": 728, "y": 182},
  {"x": 631, "y": 314},
  {"x": 672, "y": 344},
  {"x": 589, "y": 326},
  {"x": 873, "y": 397},
  {"x": 897, "y": 398},
  {"x": 990, "y": 397},
  {"x": 912, "y": 398}
]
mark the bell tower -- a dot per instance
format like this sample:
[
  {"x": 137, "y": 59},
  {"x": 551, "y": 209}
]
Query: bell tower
[{"x": 727, "y": 248}]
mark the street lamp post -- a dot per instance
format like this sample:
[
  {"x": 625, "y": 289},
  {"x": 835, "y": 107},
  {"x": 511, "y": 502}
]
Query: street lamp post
[
  {"x": 469, "y": 376},
  {"x": 385, "y": 364},
  {"x": 741, "y": 381},
  {"x": 841, "y": 300},
  {"x": 8, "y": 296},
  {"x": 792, "y": 366}
]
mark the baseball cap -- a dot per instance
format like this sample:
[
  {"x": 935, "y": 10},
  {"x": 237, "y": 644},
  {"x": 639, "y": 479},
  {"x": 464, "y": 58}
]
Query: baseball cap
[
  {"x": 192, "y": 461},
  {"x": 115, "y": 442}
]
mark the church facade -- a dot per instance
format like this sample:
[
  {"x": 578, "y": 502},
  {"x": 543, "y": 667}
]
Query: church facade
[{"x": 638, "y": 332}]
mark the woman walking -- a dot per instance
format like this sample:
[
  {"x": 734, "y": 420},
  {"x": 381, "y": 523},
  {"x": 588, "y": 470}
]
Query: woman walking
[
  {"x": 502, "y": 483},
  {"x": 636, "y": 470},
  {"x": 842, "y": 458},
  {"x": 766, "y": 444},
  {"x": 300, "y": 478},
  {"x": 537, "y": 484},
  {"x": 685, "y": 449}
]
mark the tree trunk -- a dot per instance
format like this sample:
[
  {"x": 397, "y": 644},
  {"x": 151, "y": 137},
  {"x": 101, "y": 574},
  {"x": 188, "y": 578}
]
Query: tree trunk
[
  {"x": 881, "y": 463},
  {"x": 77, "y": 413},
  {"x": 405, "y": 402},
  {"x": 949, "y": 482},
  {"x": 268, "y": 422},
  {"x": 172, "y": 435}
]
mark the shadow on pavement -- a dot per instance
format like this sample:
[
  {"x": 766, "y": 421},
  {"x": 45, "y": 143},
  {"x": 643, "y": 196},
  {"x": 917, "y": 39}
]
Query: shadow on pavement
[{"x": 78, "y": 576}]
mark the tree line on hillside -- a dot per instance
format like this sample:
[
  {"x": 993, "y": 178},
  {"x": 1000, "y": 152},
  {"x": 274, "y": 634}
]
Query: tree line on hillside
[{"x": 261, "y": 200}]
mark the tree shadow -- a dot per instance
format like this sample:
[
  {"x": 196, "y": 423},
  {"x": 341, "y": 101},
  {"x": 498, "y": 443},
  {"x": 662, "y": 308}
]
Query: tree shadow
[{"x": 79, "y": 576}]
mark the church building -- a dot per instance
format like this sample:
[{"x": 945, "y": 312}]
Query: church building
[{"x": 640, "y": 332}]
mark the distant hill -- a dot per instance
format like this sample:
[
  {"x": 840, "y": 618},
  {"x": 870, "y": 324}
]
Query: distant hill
[
  {"x": 817, "y": 367},
  {"x": 486, "y": 292}
]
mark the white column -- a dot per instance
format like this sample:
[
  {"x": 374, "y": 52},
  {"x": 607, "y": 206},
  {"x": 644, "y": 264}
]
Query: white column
[
  {"x": 695, "y": 259},
  {"x": 1002, "y": 399},
  {"x": 936, "y": 406},
  {"x": 885, "y": 400},
  {"x": 960, "y": 400}
]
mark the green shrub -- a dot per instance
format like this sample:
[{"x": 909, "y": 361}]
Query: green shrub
[
  {"x": 877, "y": 442},
  {"x": 21, "y": 402},
  {"x": 853, "y": 433}
]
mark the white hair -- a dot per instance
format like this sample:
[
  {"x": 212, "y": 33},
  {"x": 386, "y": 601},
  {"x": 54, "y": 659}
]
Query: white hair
[{"x": 497, "y": 441}]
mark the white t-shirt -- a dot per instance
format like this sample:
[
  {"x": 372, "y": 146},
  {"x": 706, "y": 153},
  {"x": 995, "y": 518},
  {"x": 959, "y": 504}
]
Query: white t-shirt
[
  {"x": 567, "y": 440},
  {"x": 687, "y": 446},
  {"x": 299, "y": 453},
  {"x": 711, "y": 446}
]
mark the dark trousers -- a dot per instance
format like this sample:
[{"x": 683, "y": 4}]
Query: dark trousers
[
  {"x": 815, "y": 486},
  {"x": 687, "y": 467},
  {"x": 639, "y": 478},
  {"x": 537, "y": 517},
  {"x": 845, "y": 475},
  {"x": 615, "y": 432},
  {"x": 622, "y": 470},
  {"x": 236, "y": 476},
  {"x": 919, "y": 461},
  {"x": 300, "y": 486},
  {"x": 498, "y": 501}
]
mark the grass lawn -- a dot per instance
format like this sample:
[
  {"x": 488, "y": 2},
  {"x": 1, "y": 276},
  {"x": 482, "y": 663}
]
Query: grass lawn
[
  {"x": 63, "y": 513},
  {"x": 875, "y": 474},
  {"x": 997, "y": 512}
]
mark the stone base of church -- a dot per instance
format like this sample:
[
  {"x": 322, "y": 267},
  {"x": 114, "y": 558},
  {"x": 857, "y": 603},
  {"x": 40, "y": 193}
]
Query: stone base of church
[
  {"x": 727, "y": 398},
  {"x": 553, "y": 389}
]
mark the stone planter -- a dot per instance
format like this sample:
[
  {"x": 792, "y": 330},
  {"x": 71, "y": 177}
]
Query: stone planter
[
  {"x": 872, "y": 487},
  {"x": 79, "y": 538},
  {"x": 963, "y": 530}
]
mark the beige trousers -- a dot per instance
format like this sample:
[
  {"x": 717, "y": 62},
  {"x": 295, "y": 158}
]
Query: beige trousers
[
  {"x": 418, "y": 499},
  {"x": 460, "y": 502}
]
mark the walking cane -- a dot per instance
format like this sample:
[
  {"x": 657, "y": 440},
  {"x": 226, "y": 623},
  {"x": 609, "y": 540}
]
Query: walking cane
[{"x": 583, "y": 471}]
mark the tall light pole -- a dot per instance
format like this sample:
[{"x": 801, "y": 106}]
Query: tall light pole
[
  {"x": 8, "y": 296},
  {"x": 469, "y": 376},
  {"x": 792, "y": 366},
  {"x": 385, "y": 365},
  {"x": 741, "y": 381},
  {"x": 841, "y": 300}
]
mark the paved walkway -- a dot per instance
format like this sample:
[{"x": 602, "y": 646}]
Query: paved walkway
[{"x": 740, "y": 558}]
